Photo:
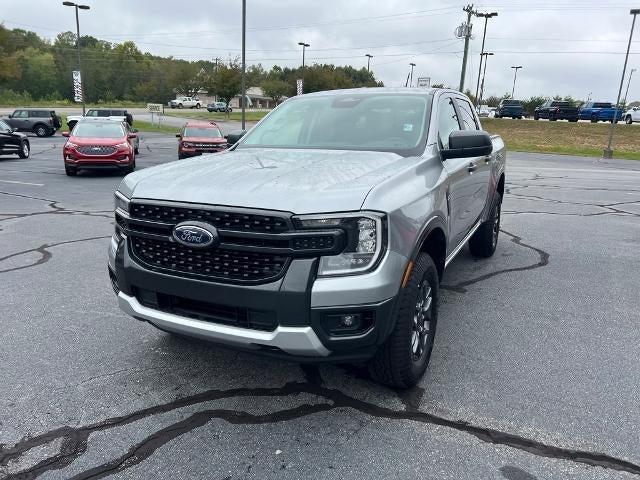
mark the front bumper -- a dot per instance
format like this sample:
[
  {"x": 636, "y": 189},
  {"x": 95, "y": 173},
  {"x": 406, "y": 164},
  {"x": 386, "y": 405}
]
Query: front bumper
[{"x": 300, "y": 303}]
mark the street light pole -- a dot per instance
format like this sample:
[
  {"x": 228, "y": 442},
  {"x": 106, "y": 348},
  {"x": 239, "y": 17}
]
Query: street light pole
[
  {"x": 486, "y": 16},
  {"x": 608, "y": 153},
  {"x": 369, "y": 57},
  {"x": 81, "y": 7},
  {"x": 243, "y": 85},
  {"x": 484, "y": 72},
  {"x": 515, "y": 75},
  {"x": 628, "y": 83},
  {"x": 411, "y": 76},
  {"x": 304, "y": 46}
]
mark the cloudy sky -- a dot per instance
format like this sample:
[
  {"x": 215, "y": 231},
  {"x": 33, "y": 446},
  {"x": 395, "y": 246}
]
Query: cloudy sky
[{"x": 566, "y": 47}]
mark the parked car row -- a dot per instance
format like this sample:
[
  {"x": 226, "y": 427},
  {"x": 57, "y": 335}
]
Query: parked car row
[{"x": 117, "y": 114}]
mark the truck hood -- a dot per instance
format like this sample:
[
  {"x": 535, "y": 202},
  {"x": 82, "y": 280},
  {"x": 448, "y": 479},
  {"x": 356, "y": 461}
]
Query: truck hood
[{"x": 298, "y": 181}]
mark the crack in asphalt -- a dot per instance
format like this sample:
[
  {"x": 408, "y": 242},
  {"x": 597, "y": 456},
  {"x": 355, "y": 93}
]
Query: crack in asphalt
[
  {"x": 543, "y": 260},
  {"x": 43, "y": 250},
  {"x": 75, "y": 439}
]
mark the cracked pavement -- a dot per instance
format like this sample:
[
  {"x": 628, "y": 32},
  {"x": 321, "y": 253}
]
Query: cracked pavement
[{"x": 535, "y": 372}]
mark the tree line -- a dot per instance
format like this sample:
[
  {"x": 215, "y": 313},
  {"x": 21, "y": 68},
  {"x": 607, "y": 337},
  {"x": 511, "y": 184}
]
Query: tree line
[{"x": 33, "y": 68}]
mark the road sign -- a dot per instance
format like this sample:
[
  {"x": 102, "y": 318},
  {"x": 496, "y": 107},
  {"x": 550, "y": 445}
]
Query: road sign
[
  {"x": 155, "y": 107},
  {"x": 299, "y": 86},
  {"x": 77, "y": 86},
  {"x": 424, "y": 81}
]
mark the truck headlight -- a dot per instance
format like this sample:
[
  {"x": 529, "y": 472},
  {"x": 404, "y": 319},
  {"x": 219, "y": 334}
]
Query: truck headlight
[
  {"x": 121, "y": 202},
  {"x": 366, "y": 240}
]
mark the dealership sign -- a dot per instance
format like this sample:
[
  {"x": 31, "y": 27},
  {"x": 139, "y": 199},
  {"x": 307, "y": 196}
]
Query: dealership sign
[{"x": 77, "y": 86}]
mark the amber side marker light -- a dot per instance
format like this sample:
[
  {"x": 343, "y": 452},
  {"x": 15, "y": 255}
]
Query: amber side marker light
[{"x": 407, "y": 274}]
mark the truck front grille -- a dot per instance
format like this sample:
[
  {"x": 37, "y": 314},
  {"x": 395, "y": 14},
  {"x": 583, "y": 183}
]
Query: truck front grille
[
  {"x": 224, "y": 264},
  {"x": 224, "y": 220},
  {"x": 96, "y": 150}
]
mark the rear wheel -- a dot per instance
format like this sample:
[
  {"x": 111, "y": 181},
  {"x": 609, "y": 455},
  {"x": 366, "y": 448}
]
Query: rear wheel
[
  {"x": 25, "y": 150},
  {"x": 536, "y": 116},
  {"x": 483, "y": 243},
  {"x": 628, "y": 120},
  {"x": 41, "y": 130},
  {"x": 197, "y": 105},
  {"x": 552, "y": 117},
  {"x": 179, "y": 105},
  {"x": 403, "y": 358},
  {"x": 594, "y": 119},
  {"x": 70, "y": 171}
]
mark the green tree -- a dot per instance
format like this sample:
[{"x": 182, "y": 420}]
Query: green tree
[
  {"x": 276, "y": 89},
  {"x": 226, "y": 81}
]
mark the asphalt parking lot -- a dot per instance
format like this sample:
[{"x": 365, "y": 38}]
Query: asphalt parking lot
[{"x": 535, "y": 372}]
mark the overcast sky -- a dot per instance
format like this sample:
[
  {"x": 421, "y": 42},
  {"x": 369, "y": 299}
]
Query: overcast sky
[{"x": 566, "y": 47}]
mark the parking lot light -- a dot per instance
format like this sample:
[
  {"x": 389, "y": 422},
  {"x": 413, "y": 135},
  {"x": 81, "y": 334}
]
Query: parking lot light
[
  {"x": 608, "y": 152},
  {"x": 81, "y": 7}
]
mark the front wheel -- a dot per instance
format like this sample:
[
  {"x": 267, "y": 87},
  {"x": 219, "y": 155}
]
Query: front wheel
[
  {"x": 25, "y": 150},
  {"x": 70, "y": 171},
  {"x": 628, "y": 120},
  {"x": 403, "y": 358},
  {"x": 179, "y": 105},
  {"x": 484, "y": 241},
  {"x": 197, "y": 105},
  {"x": 594, "y": 119},
  {"x": 536, "y": 117}
]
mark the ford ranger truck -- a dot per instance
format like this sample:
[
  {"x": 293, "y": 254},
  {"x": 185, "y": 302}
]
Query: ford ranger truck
[{"x": 321, "y": 235}]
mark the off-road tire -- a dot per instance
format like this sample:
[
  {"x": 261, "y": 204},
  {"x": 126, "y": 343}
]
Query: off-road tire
[
  {"x": 484, "y": 241},
  {"x": 41, "y": 130},
  {"x": 70, "y": 171},
  {"x": 25, "y": 150},
  {"x": 395, "y": 363}
]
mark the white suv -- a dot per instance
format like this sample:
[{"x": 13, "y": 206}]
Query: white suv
[{"x": 185, "y": 102}]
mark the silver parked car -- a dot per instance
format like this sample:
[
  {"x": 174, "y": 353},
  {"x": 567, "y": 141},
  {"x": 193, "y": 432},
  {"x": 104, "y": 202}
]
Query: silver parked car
[{"x": 321, "y": 235}]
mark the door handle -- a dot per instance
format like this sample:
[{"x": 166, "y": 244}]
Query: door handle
[
  {"x": 472, "y": 167},
  {"x": 487, "y": 159}
]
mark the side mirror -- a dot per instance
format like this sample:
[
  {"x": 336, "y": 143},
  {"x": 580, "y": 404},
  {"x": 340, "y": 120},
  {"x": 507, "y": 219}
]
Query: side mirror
[
  {"x": 10, "y": 115},
  {"x": 235, "y": 136},
  {"x": 14, "y": 129},
  {"x": 468, "y": 143},
  {"x": 65, "y": 134},
  {"x": 179, "y": 135},
  {"x": 132, "y": 135}
]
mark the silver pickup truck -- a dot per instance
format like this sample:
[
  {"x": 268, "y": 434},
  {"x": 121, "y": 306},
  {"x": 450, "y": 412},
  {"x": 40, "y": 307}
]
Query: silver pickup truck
[{"x": 321, "y": 235}]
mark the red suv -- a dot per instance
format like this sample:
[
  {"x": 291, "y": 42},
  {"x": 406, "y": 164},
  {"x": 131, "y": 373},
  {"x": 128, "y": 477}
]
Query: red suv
[
  {"x": 95, "y": 144},
  {"x": 200, "y": 137}
]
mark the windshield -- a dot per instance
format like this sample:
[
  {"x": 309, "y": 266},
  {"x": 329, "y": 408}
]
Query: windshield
[
  {"x": 99, "y": 130},
  {"x": 202, "y": 132},
  {"x": 375, "y": 122},
  {"x": 515, "y": 103}
]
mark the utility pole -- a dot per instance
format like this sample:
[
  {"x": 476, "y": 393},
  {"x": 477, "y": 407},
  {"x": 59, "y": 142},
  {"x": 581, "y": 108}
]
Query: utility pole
[
  {"x": 411, "y": 74},
  {"x": 486, "y": 16},
  {"x": 608, "y": 152},
  {"x": 628, "y": 83},
  {"x": 243, "y": 86},
  {"x": 486, "y": 55},
  {"x": 467, "y": 36},
  {"x": 369, "y": 57},
  {"x": 515, "y": 75}
]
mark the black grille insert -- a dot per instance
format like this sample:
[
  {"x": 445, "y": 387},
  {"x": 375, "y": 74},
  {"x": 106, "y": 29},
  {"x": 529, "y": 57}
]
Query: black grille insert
[
  {"x": 223, "y": 220},
  {"x": 229, "y": 265},
  {"x": 209, "y": 312}
]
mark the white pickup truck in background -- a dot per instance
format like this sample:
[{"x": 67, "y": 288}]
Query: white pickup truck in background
[
  {"x": 185, "y": 102},
  {"x": 117, "y": 114}
]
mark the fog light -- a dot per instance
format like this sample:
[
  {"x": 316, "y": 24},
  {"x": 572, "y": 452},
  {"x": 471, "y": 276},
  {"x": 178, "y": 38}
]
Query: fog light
[{"x": 348, "y": 320}]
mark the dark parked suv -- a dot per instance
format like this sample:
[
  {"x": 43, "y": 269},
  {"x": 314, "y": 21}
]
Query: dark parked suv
[
  {"x": 41, "y": 122},
  {"x": 510, "y": 108}
]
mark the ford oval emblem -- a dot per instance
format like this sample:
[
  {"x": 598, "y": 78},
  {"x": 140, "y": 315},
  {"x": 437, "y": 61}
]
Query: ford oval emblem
[{"x": 196, "y": 235}]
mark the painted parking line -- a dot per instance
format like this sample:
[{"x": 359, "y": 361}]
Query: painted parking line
[{"x": 23, "y": 183}]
